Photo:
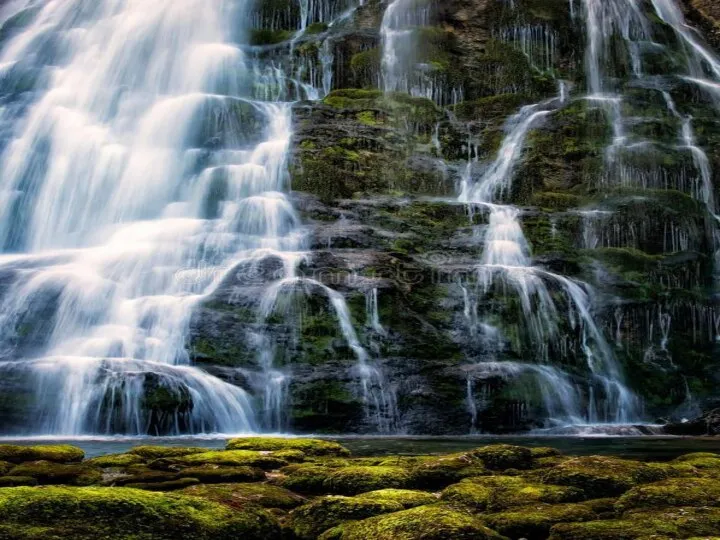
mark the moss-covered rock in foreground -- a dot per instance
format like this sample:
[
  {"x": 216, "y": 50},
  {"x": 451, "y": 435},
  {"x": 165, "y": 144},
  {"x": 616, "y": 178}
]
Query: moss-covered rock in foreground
[
  {"x": 441, "y": 471},
  {"x": 246, "y": 458},
  {"x": 240, "y": 495},
  {"x": 433, "y": 522},
  {"x": 313, "y": 519},
  {"x": 684, "y": 522},
  {"x": 600, "y": 476},
  {"x": 495, "y": 493},
  {"x": 673, "y": 492},
  {"x": 125, "y": 514},
  {"x": 310, "y": 447},
  {"x": 47, "y": 472},
  {"x": 534, "y": 522},
  {"x": 407, "y": 498},
  {"x": 353, "y": 480},
  {"x": 500, "y": 457},
  {"x": 61, "y": 453},
  {"x": 115, "y": 460}
]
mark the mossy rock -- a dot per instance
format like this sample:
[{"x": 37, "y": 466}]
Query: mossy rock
[
  {"x": 600, "y": 476},
  {"x": 500, "y": 457},
  {"x": 291, "y": 456},
  {"x": 247, "y": 458},
  {"x": 310, "y": 447},
  {"x": 534, "y": 522},
  {"x": 311, "y": 520},
  {"x": 433, "y": 522},
  {"x": 704, "y": 463},
  {"x": 673, "y": 492},
  {"x": 354, "y": 480},
  {"x": 684, "y": 522},
  {"x": 125, "y": 514},
  {"x": 48, "y": 472},
  {"x": 14, "y": 481},
  {"x": 60, "y": 453},
  {"x": 158, "y": 452},
  {"x": 143, "y": 476},
  {"x": 170, "y": 485},
  {"x": 305, "y": 478},
  {"x": 539, "y": 452},
  {"x": 445, "y": 470},
  {"x": 115, "y": 461},
  {"x": 5, "y": 467},
  {"x": 219, "y": 474},
  {"x": 240, "y": 495},
  {"x": 495, "y": 493},
  {"x": 408, "y": 498}
]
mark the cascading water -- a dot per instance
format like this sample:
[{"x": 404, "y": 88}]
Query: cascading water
[
  {"x": 147, "y": 163},
  {"x": 506, "y": 257}
]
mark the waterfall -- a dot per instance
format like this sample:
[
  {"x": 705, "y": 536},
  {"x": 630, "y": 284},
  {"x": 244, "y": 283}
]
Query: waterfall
[
  {"x": 506, "y": 257},
  {"x": 147, "y": 162}
]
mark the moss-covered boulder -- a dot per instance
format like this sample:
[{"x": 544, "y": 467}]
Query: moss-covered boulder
[
  {"x": 247, "y": 458},
  {"x": 534, "y": 522},
  {"x": 311, "y": 520},
  {"x": 432, "y": 522},
  {"x": 672, "y": 492},
  {"x": 500, "y": 457},
  {"x": 495, "y": 493},
  {"x": 14, "y": 481},
  {"x": 240, "y": 495},
  {"x": 704, "y": 463},
  {"x": 305, "y": 478},
  {"x": 683, "y": 522},
  {"x": 5, "y": 467},
  {"x": 60, "y": 453},
  {"x": 408, "y": 498},
  {"x": 115, "y": 461},
  {"x": 354, "y": 480},
  {"x": 159, "y": 452},
  {"x": 125, "y": 514},
  {"x": 310, "y": 447},
  {"x": 600, "y": 476},
  {"x": 218, "y": 474},
  {"x": 48, "y": 472},
  {"x": 169, "y": 485},
  {"x": 442, "y": 471}
]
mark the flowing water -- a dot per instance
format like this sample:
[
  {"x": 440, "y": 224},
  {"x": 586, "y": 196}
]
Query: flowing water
[
  {"x": 147, "y": 163},
  {"x": 144, "y": 149}
]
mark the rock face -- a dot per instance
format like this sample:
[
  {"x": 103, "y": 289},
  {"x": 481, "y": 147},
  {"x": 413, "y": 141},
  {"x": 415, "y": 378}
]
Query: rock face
[{"x": 375, "y": 177}]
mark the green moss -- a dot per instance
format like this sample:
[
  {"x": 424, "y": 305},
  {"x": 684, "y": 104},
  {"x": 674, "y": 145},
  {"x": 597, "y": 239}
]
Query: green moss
[
  {"x": 316, "y": 28},
  {"x": 115, "y": 460},
  {"x": 214, "y": 474},
  {"x": 495, "y": 493},
  {"x": 265, "y": 36},
  {"x": 5, "y": 467},
  {"x": 170, "y": 485},
  {"x": 310, "y": 447},
  {"x": 427, "y": 522},
  {"x": 311, "y": 520},
  {"x": 535, "y": 522},
  {"x": 15, "y": 481},
  {"x": 407, "y": 498},
  {"x": 500, "y": 457},
  {"x": 671, "y": 523},
  {"x": 48, "y": 472},
  {"x": 156, "y": 452},
  {"x": 602, "y": 476},
  {"x": 126, "y": 514},
  {"x": 673, "y": 492},
  {"x": 353, "y": 98},
  {"x": 305, "y": 478},
  {"x": 445, "y": 470},
  {"x": 247, "y": 458},
  {"x": 353, "y": 480},
  {"x": 56, "y": 453},
  {"x": 240, "y": 495},
  {"x": 291, "y": 456}
]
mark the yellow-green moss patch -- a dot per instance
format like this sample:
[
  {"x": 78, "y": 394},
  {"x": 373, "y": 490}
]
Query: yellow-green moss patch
[
  {"x": 240, "y": 495},
  {"x": 310, "y": 447},
  {"x": 61, "y": 453}
]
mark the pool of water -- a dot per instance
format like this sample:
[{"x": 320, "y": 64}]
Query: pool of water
[{"x": 642, "y": 448}]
